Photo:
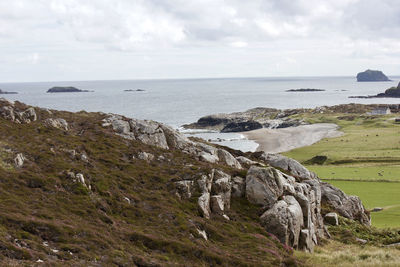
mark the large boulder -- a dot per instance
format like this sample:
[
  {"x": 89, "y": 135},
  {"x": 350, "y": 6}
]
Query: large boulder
[
  {"x": 284, "y": 220},
  {"x": 149, "y": 132},
  {"x": 228, "y": 159},
  {"x": 350, "y": 207},
  {"x": 57, "y": 123},
  {"x": 264, "y": 186},
  {"x": 289, "y": 165}
]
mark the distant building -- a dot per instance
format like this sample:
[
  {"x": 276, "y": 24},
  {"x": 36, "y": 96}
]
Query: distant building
[{"x": 380, "y": 111}]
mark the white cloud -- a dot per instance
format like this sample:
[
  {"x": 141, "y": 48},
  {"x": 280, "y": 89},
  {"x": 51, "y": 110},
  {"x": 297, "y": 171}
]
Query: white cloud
[{"x": 63, "y": 31}]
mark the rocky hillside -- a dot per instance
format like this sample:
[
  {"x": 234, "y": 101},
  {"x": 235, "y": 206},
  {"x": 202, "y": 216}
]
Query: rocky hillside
[{"x": 94, "y": 189}]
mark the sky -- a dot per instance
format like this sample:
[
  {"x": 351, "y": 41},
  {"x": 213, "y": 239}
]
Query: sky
[{"x": 61, "y": 40}]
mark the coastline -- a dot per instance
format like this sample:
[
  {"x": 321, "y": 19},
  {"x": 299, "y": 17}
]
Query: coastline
[{"x": 285, "y": 139}]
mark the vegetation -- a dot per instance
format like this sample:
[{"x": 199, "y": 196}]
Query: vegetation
[
  {"x": 364, "y": 161},
  {"x": 129, "y": 217}
]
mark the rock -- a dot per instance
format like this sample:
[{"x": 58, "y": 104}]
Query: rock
[
  {"x": 372, "y": 76},
  {"x": 241, "y": 126},
  {"x": 377, "y": 209},
  {"x": 7, "y": 112},
  {"x": 217, "y": 205},
  {"x": 228, "y": 159},
  {"x": 149, "y": 132},
  {"x": 222, "y": 186},
  {"x": 205, "y": 183},
  {"x": 202, "y": 233},
  {"x": 361, "y": 241},
  {"x": 65, "y": 89},
  {"x": 331, "y": 219},
  {"x": 350, "y": 207},
  {"x": 285, "y": 220},
  {"x": 290, "y": 165},
  {"x": 145, "y": 156},
  {"x": 247, "y": 162},
  {"x": 184, "y": 188},
  {"x": 121, "y": 126},
  {"x": 7, "y": 93},
  {"x": 204, "y": 205},
  {"x": 57, "y": 123},
  {"x": 263, "y": 186},
  {"x": 238, "y": 187},
  {"x": 305, "y": 90},
  {"x": 19, "y": 160},
  {"x": 81, "y": 179},
  {"x": 305, "y": 241},
  {"x": 84, "y": 158},
  {"x": 207, "y": 157},
  {"x": 175, "y": 139}
]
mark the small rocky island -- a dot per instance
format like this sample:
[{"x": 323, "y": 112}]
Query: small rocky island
[
  {"x": 305, "y": 90},
  {"x": 391, "y": 92},
  {"x": 134, "y": 90},
  {"x": 7, "y": 93},
  {"x": 66, "y": 89},
  {"x": 372, "y": 76}
]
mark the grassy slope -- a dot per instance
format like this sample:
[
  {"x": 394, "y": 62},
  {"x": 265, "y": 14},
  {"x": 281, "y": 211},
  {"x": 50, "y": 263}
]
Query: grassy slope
[
  {"x": 39, "y": 203},
  {"x": 369, "y": 150}
]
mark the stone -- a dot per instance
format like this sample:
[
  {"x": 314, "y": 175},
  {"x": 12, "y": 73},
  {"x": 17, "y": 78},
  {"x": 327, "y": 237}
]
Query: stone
[
  {"x": 175, "y": 139},
  {"x": 205, "y": 182},
  {"x": 28, "y": 115},
  {"x": 184, "y": 188},
  {"x": 84, "y": 157},
  {"x": 305, "y": 241},
  {"x": 331, "y": 219},
  {"x": 203, "y": 204},
  {"x": 349, "y": 207},
  {"x": 222, "y": 186},
  {"x": 376, "y": 209},
  {"x": 202, "y": 233},
  {"x": 57, "y": 123},
  {"x": 121, "y": 126},
  {"x": 145, "y": 156},
  {"x": 292, "y": 166},
  {"x": 227, "y": 158},
  {"x": 238, "y": 187},
  {"x": 284, "y": 220},
  {"x": 242, "y": 126},
  {"x": 81, "y": 179},
  {"x": 217, "y": 205},
  {"x": 149, "y": 132},
  {"x": 245, "y": 161},
  {"x": 361, "y": 241},
  {"x": 207, "y": 157},
  {"x": 19, "y": 160},
  {"x": 263, "y": 186}
]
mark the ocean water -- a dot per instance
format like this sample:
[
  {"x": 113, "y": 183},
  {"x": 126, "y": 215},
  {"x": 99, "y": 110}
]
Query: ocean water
[{"x": 180, "y": 101}]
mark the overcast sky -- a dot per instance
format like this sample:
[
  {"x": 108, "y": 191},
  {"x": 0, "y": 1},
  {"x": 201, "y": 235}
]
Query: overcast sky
[{"x": 49, "y": 40}]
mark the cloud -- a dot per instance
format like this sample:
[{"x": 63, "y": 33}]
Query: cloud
[{"x": 61, "y": 30}]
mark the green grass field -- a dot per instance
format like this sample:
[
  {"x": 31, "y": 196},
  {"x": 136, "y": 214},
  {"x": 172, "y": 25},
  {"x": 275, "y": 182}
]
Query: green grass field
[{"x": 364, "y": 161}]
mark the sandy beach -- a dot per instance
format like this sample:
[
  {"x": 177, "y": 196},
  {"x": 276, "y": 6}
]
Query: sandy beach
[{"x": 285, "y": 139}]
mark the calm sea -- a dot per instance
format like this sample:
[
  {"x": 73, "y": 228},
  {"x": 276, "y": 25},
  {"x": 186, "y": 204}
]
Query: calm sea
[{"x": 180, "y": 101}]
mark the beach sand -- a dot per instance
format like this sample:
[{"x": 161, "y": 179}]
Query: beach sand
[{"x": 285, "y": 139}]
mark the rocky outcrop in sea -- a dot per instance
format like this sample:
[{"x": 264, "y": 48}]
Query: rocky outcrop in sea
[{"x": 372, "y": 76}]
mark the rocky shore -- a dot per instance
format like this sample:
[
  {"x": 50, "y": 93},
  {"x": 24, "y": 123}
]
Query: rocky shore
[{"x": 391, "y": 92}]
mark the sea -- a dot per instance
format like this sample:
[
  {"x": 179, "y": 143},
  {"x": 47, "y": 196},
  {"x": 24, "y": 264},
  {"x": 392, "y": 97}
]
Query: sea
[{"x": 181, "y": 101}]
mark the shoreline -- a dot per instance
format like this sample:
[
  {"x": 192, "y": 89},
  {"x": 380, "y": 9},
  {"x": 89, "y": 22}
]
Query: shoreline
[{"x": 286, "y": 139}]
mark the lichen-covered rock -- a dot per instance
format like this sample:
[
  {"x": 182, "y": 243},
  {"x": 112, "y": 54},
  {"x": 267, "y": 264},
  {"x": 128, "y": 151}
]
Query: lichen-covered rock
[
  {"x": 19, "y": 160},
  {"x": 9, "y": 112},
  {"x": 149, "y": 132},
  {"x": 246, "y": 162},
  {"x": 264, "y": 186},
  {"x": 145, "y": 156},
  {"x": 57, "y": 123},
  {"x": 238, "y": 187},
  {"x": 222, "y": 186},
  {"x": 184, "y": 188},
  {"x": 292, "y": 166},
  {"x": 285, "y": 220},
  {"x": 350, "y": 207},
  {"x": 331, "y": 219},
  {"x": 217, "y": 205},
  {"x": 228, "y": 159},
  {"x": 204, "y": 205}
]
